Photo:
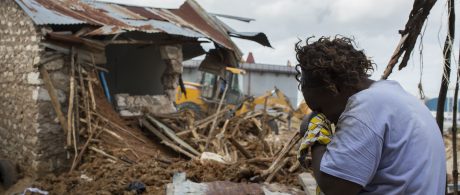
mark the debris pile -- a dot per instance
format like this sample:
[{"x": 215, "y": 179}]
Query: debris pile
[
  {"x": 108, "y": 152},
  {"x": 112, "y": 152}
]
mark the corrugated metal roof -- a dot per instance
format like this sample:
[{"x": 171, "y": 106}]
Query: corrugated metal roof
[
  {"x": 41, "y": 15},
  {"x": 189, "y": 20},
  {"x": 251, "y": 67}
]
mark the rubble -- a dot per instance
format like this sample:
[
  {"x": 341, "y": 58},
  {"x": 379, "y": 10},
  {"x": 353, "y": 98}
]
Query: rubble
[
  {"x": 129, "y": 105},
  {"x": 111, "y": 151},
  {"x": 182, "y": 186}
]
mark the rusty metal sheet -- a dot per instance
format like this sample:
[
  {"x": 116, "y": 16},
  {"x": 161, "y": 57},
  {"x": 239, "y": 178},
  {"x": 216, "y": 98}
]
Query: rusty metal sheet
[
  {"x": 201, "y": 21},
  {"x": 81, "y": 11},
  {"x": 190, "y": 20},
  {"x": 145, "y": 12},
  {"x": 41, "y": 15},
  {"x": 106, "y": 30}
]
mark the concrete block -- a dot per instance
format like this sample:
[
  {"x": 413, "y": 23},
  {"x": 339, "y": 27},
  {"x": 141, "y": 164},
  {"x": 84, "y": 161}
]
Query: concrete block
[
  {"x": 54, "y": 65},
  {"x": 33, "y": 78},
  {"x": 43, "y": 95}
]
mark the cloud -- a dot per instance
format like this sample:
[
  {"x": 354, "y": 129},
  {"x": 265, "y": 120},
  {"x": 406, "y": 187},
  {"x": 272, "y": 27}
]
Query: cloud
[{"x": 373, "y": 23}]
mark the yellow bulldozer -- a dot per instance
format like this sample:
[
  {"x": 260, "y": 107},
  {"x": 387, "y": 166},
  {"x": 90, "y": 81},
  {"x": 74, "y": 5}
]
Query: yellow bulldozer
[{"x": 203, "y": 98}]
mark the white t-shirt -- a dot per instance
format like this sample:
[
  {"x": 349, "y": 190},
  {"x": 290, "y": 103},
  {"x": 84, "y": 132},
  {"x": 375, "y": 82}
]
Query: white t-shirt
[{"x": 388, "y": 142}]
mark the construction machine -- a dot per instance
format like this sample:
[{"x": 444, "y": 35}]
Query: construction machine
[{"x": 203, "y": 98}]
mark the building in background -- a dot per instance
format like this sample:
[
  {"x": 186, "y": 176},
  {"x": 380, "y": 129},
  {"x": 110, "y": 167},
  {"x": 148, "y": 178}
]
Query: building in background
[
  {"x": 259, "y": 78},
  {"x": 448, "y": 110}
]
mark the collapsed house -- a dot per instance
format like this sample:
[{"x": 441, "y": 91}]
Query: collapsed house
[{"x": 136, "y": 54}]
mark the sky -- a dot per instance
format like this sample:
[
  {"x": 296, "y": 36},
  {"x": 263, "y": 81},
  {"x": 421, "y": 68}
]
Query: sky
[{"x": 374, "y": 24}]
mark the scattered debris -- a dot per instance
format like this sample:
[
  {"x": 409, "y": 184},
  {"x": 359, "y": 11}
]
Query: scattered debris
[
  {"x": 111, "y": 151},
  {"x": 136, "y": 186},
  {"x": 308, "y": 183},
  {"x": 34, "y": 190},
  {"x": 181, "y": 185}
]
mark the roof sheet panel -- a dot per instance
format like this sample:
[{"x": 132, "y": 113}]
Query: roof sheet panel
[
  {"x": 190, "y": 20},
  {"x": 42, "y": 16}
]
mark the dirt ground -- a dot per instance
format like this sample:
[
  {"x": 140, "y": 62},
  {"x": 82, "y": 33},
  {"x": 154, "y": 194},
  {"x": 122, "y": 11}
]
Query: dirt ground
[
  {"x": 155, "y": 168},
  {"x": 449, "y": 155},
  {"x": 102, "y": 177}
]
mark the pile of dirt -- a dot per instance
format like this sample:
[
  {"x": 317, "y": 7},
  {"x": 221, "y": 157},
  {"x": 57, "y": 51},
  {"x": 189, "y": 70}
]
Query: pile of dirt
[{"x": 99, "y": 176}]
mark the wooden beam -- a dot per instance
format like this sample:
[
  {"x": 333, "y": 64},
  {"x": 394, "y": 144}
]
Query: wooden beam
[
  {"x": 171, "y": 134},
  {"x": 240, "y": 148},
  {"x": 54, "y": 98},
  {"x": 276, "y": 169},
  {"x": 282, "y": 155},
  {"x": 165, "y": 140}
]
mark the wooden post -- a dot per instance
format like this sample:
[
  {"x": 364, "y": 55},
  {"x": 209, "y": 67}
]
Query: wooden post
[
  {"x": 54, "y": 98},
  {"x": 71, "y": 97},
  {"x": 454, "y": 133},
  {"x": 215, "y": 118},
  {"x": 447, "y": 66},
  {"x": 454, "y": 140}
]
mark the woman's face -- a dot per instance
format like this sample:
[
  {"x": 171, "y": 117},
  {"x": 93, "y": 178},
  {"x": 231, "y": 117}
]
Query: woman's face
[{"x": 323, "y": 100}]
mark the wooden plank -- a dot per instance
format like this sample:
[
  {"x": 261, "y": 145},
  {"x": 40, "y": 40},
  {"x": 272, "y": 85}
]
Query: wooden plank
[
  {"x": 118, "y": 127},
  {"x": 240, "y": 148},
  {"x": 71, "y": 98},
  {"x": 165, "y": 140},
  {"x": 103, "y": 153},
  {"x": 276, "y": 169},
  {"x": 54, "y": 98},
  {"x": 214, "y": 122},
  {"x": 282, "y": 154},
  {"x": 171, "y": 134}
]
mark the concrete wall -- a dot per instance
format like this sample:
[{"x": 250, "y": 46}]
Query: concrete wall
[
  {"x": 260, "y": 83},
  {"x": 135, "y": 70},
  {"x": 29, "y": 133}
]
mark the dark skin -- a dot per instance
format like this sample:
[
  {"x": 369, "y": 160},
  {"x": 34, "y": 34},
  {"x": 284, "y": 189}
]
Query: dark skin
[{"x": 321, "y": 99}]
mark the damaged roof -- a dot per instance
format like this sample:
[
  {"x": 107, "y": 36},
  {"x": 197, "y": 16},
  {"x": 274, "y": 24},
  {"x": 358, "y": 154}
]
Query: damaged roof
[{"x": 189, "y": 20}]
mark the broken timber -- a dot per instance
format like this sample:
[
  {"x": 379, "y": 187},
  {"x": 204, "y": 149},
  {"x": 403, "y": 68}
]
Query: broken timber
[
  {"x": 171, "y": 134},
  {"x": 54, "y": 98},
  {"x": 239, "y": 147},
  {"x": 166, "y": 141},
  {"x": 280, "y": 159}
]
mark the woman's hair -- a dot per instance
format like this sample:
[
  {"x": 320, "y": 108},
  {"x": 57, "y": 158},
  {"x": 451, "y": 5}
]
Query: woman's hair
[{"x": 328, "y": 62}]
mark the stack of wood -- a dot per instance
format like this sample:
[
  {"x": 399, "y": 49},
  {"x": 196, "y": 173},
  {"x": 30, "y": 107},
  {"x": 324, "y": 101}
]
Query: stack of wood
[{"x": 247, "y": 138}]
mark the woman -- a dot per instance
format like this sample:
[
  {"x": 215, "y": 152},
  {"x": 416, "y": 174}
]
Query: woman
[{"x": 386, "y": 141}]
